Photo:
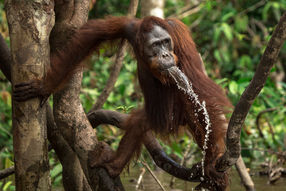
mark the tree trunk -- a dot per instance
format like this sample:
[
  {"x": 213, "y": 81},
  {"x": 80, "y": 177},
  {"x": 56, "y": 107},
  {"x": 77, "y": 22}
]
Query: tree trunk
[
  {"x": 30, "y": 23},
  {"x": 68, "y": 112},
  {"x": 69, "y": 115},
  {"x": 152, "y": 7}
]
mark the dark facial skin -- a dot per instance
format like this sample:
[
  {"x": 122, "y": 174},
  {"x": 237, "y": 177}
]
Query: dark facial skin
[{"x": 159, "y": 50}]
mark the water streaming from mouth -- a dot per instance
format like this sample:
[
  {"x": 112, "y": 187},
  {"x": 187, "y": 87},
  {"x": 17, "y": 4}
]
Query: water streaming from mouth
[{"x": 185, "y": 86}]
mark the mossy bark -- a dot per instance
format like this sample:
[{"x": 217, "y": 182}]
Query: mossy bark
[{"x": 30, "y": 23}]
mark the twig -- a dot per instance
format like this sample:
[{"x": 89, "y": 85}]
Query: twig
[
  {"x": 186, "y": 153},
  {"x": 143, "y": 170},
  {"x": 7, "y": 172},
  {"x": 183, "y": 9},
  {"x": 261, "y": 26},
  {"x": 153, "y": 175},
  {"x": 11, "y": 170},
  {"x": 271, "y": 129},
  {"x": 3, "y": 80},
  {"x": 115, "y": 69},
  {"x": 187, "y": 11},
  {"x": 197, "y": 21},
  {"x": 269, "y": 151},
  {"x": 258, "y": 118},
  {"x": 275, "y": 175},
  {"x": 253, "y": 7}
]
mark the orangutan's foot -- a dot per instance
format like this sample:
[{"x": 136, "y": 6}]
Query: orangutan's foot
[
  {"x": 104, "y": 156},
  {"x": 100, "y": 155}
]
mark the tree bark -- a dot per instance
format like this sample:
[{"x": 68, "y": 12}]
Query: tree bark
[
  {"x": 69, "y": 115},
  {"x": 68, "y": 112},
  {"x": 73, "y": 176},
  {"x": 152, "y": 7},
  {"x": 30, "y": 23}
]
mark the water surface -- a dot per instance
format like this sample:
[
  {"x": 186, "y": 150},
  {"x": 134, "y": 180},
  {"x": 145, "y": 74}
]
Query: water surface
[{"x": 129, "y": 182}]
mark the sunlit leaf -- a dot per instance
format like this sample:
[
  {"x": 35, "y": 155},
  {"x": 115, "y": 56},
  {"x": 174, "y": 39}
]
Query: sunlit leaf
[
  {"x": 6, "y": 186},
  {"x": 217, "y": 56},
  {"x": 227, "y": 31},
  {"x": 56, "y": 170},
  {"x": 241, "y": 23},
  {"x": 233, "y": 87}
]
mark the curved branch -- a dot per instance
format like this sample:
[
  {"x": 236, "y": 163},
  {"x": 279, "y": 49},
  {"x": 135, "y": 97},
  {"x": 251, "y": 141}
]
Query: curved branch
[
  {"x": 238, "y": 117},
  {"x": 102, "y": 116},
  {"x": 161, "y": 159},
  {"x": 258, "y": 117}
]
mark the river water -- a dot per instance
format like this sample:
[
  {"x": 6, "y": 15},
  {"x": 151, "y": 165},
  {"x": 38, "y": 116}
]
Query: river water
[{"x": 149, "y": 184}]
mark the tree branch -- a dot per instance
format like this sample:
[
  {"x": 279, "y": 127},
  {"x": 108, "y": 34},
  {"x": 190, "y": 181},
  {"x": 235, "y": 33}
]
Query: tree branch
[
  {"x": 238, "y": 117},
  {"x": 257, "y": 120},
  {"x": 7, "y": 172},
  {"x": 116, "y": 67},
  {"x": 154, "y": 148}
]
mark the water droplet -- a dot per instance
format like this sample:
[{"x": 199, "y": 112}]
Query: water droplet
[{"x": 184, "y": 85}]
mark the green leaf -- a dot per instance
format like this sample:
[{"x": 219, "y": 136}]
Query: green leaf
[
  {"x": 6, "y": 186},
  {"x": 228, "y": 15},
  {"x": 177, "y": 149},
  {"x": 227, "y": 31},
  {"x": 221, "y": 80},
  {"x": 233, "y": 87},
  {"x": 217, "y": 55},
  {"x": 217, "y": 32},
  {"x": 245, "y": 61},
  {"x": 265, "y": 11},
  {"x": 56, "y": 170},
  {"x": 241, "y": 23}
]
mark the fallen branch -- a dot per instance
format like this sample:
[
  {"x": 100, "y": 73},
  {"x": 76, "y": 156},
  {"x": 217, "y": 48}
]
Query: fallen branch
[
  {"x": 153, "y": 175},
  {"x": 244, "y": 175},
  {"x": 139, "y": 181}
]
